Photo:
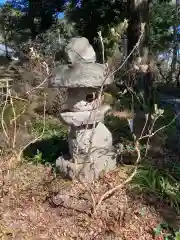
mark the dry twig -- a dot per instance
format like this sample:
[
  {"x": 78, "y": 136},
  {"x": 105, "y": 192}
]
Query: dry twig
[
  {"x": 14, "y": 121},
  {"x": 3, "y": 124},
  {"x": 112, "y": 190},
  {"x": 40, "y": 136}
]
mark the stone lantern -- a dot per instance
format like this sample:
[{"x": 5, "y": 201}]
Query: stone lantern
[{"x": 90, "y": 142}]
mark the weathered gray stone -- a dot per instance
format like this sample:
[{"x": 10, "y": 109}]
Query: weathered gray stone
[
  {"x": 80, "y": 50},
  {"x": 78, "y": 119},
  {"x": 81, "y": 105},
  {"x": 82, "y": 141},
  {"x": 77, "y": 99},
  {"x": 87, "y": 171},
  {"x": 91, "y": 75}
]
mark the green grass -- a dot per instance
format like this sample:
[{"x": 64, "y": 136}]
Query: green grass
[{"x": 161, "y": 182}]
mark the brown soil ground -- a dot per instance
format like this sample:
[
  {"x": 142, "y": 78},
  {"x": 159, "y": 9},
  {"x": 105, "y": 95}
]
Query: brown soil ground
[{"x": 35, "y": 204}]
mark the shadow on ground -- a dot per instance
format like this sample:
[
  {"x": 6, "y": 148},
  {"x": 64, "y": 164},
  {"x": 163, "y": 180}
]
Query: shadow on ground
[{"x": 47, "y": 150}]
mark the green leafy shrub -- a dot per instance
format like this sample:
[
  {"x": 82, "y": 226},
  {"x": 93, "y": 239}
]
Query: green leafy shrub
[
  {"x": 177, "y": 237},
  {"x": 50, "y": 129},
  {"x": 51, "y": 145},
  {"x": 165, "y": 232},
  {"x": 160, "y": 182}
]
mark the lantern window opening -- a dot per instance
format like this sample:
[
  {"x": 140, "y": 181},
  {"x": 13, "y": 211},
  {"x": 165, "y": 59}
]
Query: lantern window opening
[{"x": 90, "y": 97}]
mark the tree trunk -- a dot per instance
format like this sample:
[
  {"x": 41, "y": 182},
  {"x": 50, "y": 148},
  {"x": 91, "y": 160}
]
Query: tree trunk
[
  {"x": 31, "y": 16},
  {"x": 140, "y": 74},
  {"x": 46, "y": 19}
]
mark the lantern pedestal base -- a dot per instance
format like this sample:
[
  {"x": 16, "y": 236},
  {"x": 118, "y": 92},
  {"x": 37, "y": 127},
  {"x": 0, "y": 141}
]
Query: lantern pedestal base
[{"x": 86, "y": 170}]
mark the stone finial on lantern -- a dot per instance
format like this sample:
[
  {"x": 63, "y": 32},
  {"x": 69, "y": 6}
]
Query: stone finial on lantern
[
  {"x": 90, "y": 142},
  {"x": 79, "y": 50}
]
